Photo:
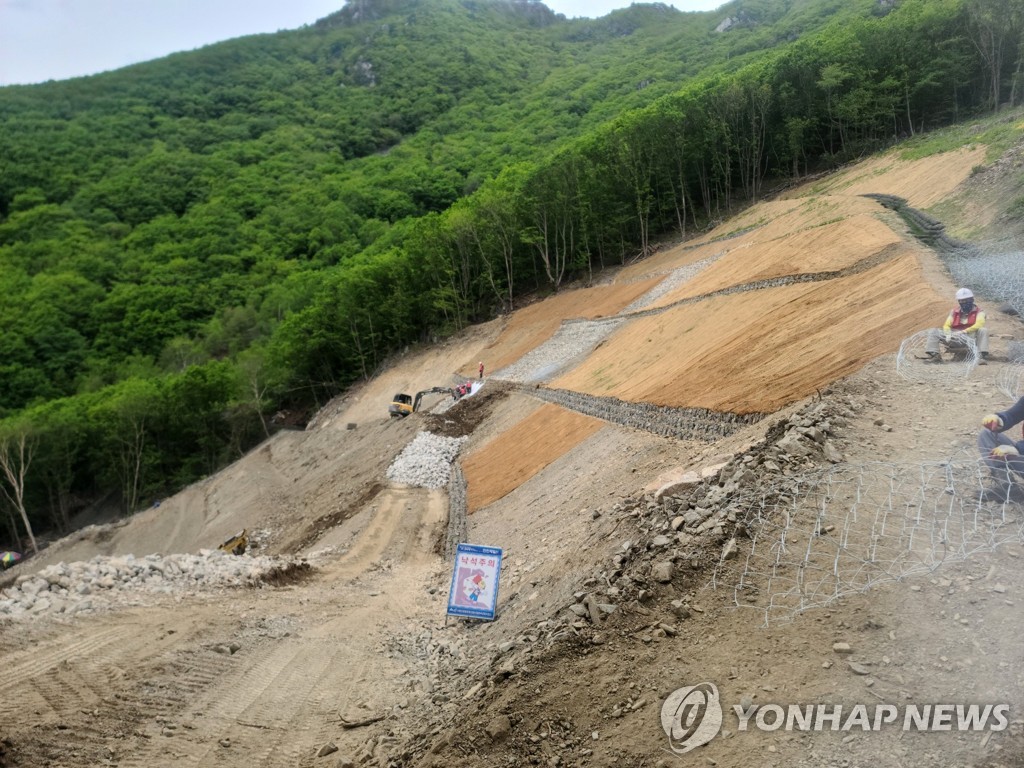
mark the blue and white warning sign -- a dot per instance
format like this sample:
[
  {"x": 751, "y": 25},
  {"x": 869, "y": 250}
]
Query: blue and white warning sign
[{"x": 474, "y": 591}]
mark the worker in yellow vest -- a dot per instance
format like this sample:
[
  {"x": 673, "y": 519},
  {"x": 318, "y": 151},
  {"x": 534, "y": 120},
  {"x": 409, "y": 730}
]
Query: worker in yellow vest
[{"x": 966, "y": 318}]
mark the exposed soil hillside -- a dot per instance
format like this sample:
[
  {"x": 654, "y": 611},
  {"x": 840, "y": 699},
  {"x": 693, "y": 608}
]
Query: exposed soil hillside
[{"x": 635, "y": 564}]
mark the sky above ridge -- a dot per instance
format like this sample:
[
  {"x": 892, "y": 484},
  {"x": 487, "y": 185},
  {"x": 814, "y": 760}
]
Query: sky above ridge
[{"x": 56, "y": 39}]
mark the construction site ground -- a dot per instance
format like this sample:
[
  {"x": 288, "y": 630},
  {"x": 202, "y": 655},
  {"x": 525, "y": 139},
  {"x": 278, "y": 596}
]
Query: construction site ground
[{"x": 353, "y": 661}]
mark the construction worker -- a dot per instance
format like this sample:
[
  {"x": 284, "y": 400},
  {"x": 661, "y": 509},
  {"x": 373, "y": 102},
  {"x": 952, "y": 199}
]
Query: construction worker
[
  {"x": 1002, "y": 454},
  {"x": 967, "y": 317}
]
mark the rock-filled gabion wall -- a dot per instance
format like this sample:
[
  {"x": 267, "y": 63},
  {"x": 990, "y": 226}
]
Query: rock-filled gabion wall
[{"x": 426, "y": 462}]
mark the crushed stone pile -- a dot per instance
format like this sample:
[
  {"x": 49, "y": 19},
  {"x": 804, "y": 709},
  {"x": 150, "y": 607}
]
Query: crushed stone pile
[
  {"x": 673, "y": 280},
  {"x": 82, "y": 587},
  {"x": 573, "y": 340},
  {"x": 426, "y": 462}
]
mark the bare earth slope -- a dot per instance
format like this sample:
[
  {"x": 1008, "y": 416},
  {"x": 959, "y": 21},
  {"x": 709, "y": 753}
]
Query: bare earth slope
[{"x": 612, "y": 596}]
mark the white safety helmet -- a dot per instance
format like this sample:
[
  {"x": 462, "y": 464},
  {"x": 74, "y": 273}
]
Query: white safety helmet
[{"x": 964, "y": 293}]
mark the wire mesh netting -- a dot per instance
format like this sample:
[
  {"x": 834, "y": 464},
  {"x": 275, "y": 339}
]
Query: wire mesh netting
[
  {"x": 992, "y": 268},
  {"x": 1010, "y": 381},
  {"x": 843, "y": 531},
  {"x": 956, "y": 359}
]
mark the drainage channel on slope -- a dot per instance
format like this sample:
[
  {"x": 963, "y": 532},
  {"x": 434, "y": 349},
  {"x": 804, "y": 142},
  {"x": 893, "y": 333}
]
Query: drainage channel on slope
[{"x": 991, "y": 268}]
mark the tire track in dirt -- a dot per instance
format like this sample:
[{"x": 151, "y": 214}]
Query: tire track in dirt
[
  {"x": 159, "y": 684},
  {"x": 167, "y": 689},
  {"x": 33, "y": 663},
  {"x": 334, "y": 698},
  {"x": 284, "y": 706},
  {"x": 231, "y": 711},
  {"x": 101, "y": 681},
  {"x": 285, "y": 701},
  {"x": 400, "y": 514},
  {"x": 345, "y": 675},
  {"x": 63, "y": 688},
  {"x": 419, "y": 547}
]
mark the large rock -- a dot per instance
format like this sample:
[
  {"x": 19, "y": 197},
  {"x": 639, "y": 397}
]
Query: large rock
[
  {"x": 663, "y": 571},
  {"x": 676, "y": 481},
  {"x": 729, "y": 550},
  {"x": 831, "y": 453},
  {"x": 794, "y": 444},
  {"x": 499, "y": 729}
]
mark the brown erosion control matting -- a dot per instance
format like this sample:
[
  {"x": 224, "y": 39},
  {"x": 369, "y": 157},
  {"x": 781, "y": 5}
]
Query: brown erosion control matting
[
  {"x": 760, "y": 350},
  {"x": 531, "y": 326},
  {"x": 519, "y": 453}
]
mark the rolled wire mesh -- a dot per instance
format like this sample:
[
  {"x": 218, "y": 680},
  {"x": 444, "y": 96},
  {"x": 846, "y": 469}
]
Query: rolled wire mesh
[
  {"x": 1010, "y": 380},
  {"x": 959, "y": 357},
  {"x": 848, "y": 529}
]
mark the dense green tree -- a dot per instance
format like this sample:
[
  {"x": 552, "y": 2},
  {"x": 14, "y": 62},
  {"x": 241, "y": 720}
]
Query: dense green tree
[
  {"x": 123, "y": 427},
  {"x": 17, "y": 447},
  {"x": 188, "y": 244}
]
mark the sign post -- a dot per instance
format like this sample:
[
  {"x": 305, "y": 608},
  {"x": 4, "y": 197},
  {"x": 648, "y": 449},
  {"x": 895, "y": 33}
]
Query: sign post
[{"x": 474, "y": 589}]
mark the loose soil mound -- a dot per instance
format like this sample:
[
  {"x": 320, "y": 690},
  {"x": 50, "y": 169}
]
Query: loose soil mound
[{"x": 467, "y": 414}]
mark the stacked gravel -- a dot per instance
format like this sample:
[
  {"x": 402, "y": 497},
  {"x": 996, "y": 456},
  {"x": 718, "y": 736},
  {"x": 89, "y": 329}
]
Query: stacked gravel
[
  {"x": 426, "y": 462},
  {"x": 83, "y": 587},
  {"x": 673, "y": 280},
  {"x": 570, "y": 343},
  {"x": 577, "y": 338}
]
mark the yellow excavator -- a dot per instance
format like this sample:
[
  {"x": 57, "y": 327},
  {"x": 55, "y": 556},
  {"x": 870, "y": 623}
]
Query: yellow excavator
[
  {"x": 402, "y": 404},
  {"x": 237, "y": 544}
]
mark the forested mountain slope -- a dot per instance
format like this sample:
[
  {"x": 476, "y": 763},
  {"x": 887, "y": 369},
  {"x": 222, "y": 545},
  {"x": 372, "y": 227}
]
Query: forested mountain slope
[{"x": 189, "y": 244}]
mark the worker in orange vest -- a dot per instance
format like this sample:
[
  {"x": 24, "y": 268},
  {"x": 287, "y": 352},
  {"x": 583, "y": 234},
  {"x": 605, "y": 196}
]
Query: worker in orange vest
[{"x": 966, "y": 318}]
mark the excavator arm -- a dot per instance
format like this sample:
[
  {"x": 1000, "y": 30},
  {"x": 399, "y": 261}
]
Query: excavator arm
[{"x": 432, "y": 390}]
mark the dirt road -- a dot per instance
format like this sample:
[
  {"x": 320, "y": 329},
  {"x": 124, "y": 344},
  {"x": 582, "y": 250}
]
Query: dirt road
[{"x": 242, "y": 678}]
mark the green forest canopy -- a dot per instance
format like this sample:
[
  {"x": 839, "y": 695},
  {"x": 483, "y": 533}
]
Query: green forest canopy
[{"x": 191, "y": 244}]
